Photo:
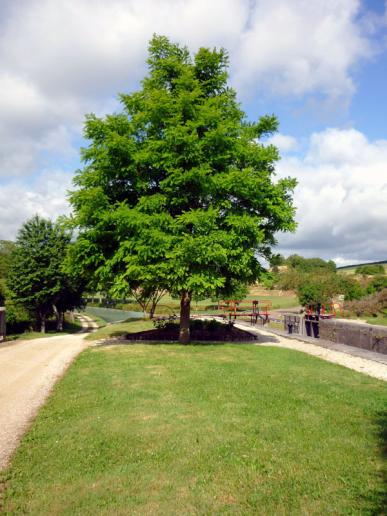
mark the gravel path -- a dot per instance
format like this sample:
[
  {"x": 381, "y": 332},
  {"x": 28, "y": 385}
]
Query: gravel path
[
  {"x": 362, "y": 365},
  {"x": 28, "y": 371}
]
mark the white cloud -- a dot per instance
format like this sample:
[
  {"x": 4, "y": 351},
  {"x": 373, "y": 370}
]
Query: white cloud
[
  {"x": 63, "y": 59},
  {"x": 298, "y": 47},
  {"x": 45, "y": 196},
  {"x": 284, "y": 142},
  {"x": 83, "y": 47},
  {"x": 341, "y": 197}
]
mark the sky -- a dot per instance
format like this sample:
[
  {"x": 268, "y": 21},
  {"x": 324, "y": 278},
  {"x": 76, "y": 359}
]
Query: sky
[{"x": 319, "y": 65}]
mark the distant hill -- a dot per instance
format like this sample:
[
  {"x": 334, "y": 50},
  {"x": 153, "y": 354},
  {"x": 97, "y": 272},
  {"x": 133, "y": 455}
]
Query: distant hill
[{"x": 352, "y": 268}]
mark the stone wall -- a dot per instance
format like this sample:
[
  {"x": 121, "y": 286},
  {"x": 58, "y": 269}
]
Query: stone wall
[{"x": 354, "y": 334}]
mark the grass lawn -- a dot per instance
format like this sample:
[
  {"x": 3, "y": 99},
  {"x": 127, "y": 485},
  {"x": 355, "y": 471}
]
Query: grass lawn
[
  {"x": 118, "y": 329},
  {"x": 381, "y": 319},
  {"x": 216, "y": 429}
]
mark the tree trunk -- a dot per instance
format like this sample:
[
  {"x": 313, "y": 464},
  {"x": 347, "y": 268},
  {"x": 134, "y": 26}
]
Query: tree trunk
[
  {"x": 42, "y": 323},
  {"x": 152, "y": 310},
  {"x": 59, "y": 318},
  {"x": 61, "y": 321},
  {"x": 185, "y": 310}
]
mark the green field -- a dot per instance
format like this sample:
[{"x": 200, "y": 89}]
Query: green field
[
  {"x": 381, "y": 320},
  {"x": 350, "y": 269},
  {"x": 216, "y": 429},
  {"x": 170, "y": 306}
]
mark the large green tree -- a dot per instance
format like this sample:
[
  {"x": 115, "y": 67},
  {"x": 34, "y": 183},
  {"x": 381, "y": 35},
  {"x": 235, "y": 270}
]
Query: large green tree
[
  {"x": 37, "y": 280},
  {"x": 177, "y": 190}
]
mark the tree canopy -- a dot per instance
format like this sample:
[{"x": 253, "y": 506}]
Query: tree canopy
[
  {"x": 37, "y": 279},
  {"x": 6, "y": 248},
  {"x": 177, "y": 189}
]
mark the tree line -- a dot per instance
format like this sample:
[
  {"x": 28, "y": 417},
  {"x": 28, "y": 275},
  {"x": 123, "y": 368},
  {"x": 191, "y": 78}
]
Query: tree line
[{"x": 317, "y": 281}]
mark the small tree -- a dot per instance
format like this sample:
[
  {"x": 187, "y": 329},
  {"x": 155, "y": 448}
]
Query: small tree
[
  {"x": 36, "y": 279},
  {"x": 178, "y": 187}
]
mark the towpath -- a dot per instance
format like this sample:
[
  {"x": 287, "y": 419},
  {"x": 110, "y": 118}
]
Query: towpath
[{"x": 28, "y": 371}]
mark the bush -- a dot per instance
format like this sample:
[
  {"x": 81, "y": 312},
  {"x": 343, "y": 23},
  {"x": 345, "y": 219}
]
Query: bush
[
  {"x": 370, "y": 270},
  {"x": 373, "y": 304},
  {"x": 377, "y": 284},
  {"x": 312, "y": 293},
  {"x": 302, "y": 264},
  {"x": 17, "y": 319},
  {"x": 319, "y": 288},
  {"x": 269, "y": 280},
  {"x": 351, "y": 288},
  {"x": 289, "y": 280}
]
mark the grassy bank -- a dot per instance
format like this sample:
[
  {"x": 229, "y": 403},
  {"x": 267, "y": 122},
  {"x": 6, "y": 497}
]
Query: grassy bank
[
  {"x": 118, "y": 329},
  {"x": 167, "y": 429}
]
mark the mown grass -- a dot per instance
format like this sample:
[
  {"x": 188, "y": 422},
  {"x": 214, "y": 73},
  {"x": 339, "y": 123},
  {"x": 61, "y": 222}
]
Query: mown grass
[
  {"x": 119, "y": 329},
  {"x": 216, "y": 429},
  {"x": 381, "y": 319}
]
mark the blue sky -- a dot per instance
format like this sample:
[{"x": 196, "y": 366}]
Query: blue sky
[{"x": 319, "y": 65}]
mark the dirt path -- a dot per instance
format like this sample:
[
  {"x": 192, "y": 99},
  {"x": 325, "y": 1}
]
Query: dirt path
[{"x": 28, "y": 371}]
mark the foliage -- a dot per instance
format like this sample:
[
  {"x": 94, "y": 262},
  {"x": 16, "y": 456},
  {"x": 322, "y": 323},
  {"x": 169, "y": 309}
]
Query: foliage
[
  {"x": 36, "y": 279},
  {"x": 301, "y": 271},
  {"x": 269, "y": 279},
  {"x": 17, "y": 317},
  {"x": 316, "y": 289},
  {"x": 177, "y": 190},
  {"x": 377, "y": 284},
  {"x": 148, "y": 297},
  {"x": 6, "y": 248},
  {"x": 314, "y": 293},
  {"x": 350, "y": 287},
  {"x": 316, "y": 265},
  {"x": 289, "y": 280},
  {"x": 374, "y": 305},
  {"x": 370, "y": 270},
  {"x": 275, "y": 261}
]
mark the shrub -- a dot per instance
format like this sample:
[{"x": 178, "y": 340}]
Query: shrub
[
  {"x": 377, "y": 284},
  {"x": 370, "y": 270},
  {"x": 302, "y": 264},
  {"x": 373, "y": 304},
  {"x": 17, "y": 318},
  {"x": 351, "y": 288}
]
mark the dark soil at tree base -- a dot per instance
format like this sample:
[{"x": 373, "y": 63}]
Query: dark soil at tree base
[{"x": 225, "y": 333}]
